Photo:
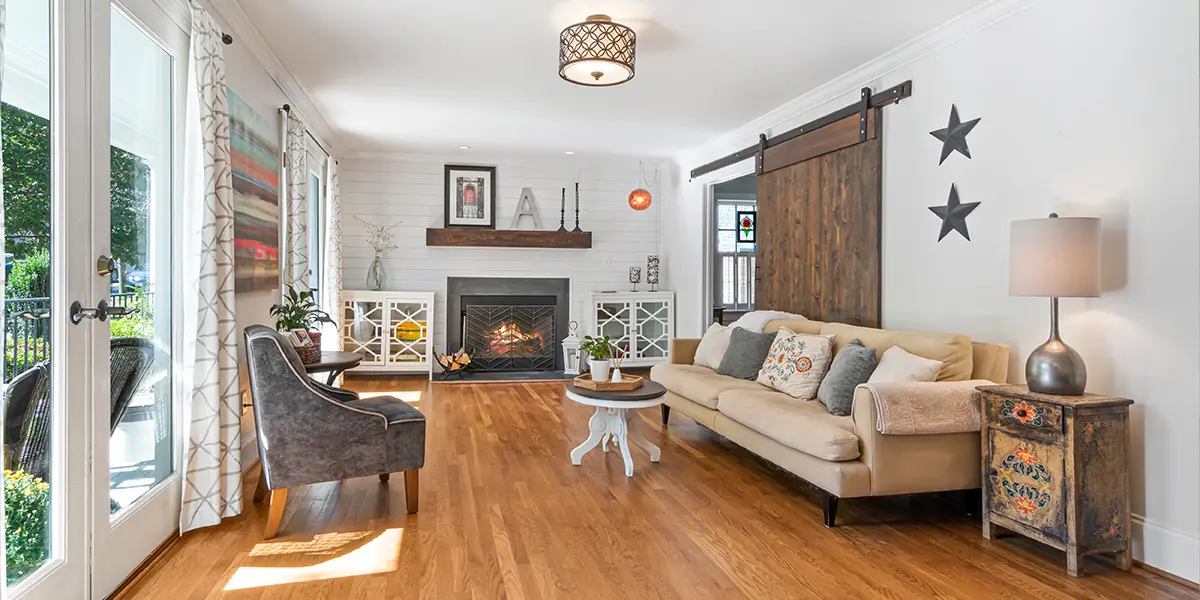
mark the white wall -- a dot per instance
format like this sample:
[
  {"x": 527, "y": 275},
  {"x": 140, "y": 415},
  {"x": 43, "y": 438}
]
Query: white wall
[
  {"x": 1088, "y": 109},
  {"x": 410, "y": 190}
]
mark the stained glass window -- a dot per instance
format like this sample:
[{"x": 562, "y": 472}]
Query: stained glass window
[{"x": 746, "y": 221}]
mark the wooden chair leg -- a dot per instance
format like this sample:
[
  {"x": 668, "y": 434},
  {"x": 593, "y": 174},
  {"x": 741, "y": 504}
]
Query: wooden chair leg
[
  {"x": 260, "y": 490},
  {"x": 411, "y": 489},
  {"x": 275, "y": 513},
  {"x": 666, "y": 414},
  {"x": 384, "y": 477}
]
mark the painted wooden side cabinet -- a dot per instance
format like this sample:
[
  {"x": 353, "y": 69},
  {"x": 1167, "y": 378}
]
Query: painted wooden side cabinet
[
  {"x": 392, "y": 330},
  {"x": 1056, "y": 469}
]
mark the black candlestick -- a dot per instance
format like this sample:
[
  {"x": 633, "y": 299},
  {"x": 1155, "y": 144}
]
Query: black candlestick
[
  {"x": 562, "y": 212},
  {"x": 577, "y": 229}
]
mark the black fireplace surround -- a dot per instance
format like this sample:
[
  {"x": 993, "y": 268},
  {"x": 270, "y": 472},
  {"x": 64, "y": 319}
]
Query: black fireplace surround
[{"x": 508, "y": 323}]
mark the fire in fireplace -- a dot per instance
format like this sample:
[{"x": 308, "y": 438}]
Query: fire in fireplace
[{"x": 510, "y": 333}]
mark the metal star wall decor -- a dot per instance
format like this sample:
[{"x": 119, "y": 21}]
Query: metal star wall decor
[
  {"x": 954, "y": 215},
  {"x": 954, "y": 136}
]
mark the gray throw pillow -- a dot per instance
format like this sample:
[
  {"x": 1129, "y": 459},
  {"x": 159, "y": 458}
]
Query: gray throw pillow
[
  {"x": 746, "y": 353},
  {"x": 852, "y": 365}
]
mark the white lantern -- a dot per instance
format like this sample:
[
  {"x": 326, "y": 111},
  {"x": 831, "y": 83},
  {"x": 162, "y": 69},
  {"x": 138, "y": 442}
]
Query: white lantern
[{"x": 571, "y": 351}]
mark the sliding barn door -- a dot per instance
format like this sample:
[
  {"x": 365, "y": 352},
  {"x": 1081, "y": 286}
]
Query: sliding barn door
[{"x": 819, "y": 205}]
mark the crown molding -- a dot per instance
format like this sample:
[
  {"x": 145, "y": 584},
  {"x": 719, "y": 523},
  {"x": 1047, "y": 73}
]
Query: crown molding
[
  {"x": 964, "y": 25},
  {"x": 244, "y": 32}
]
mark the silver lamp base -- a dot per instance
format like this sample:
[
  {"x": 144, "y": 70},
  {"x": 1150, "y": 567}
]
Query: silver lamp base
[{"x": 1054, "y": 367}]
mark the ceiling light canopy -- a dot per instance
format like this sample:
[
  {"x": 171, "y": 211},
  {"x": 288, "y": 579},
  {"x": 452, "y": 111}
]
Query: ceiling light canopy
[{"x": 597, "y": 52}]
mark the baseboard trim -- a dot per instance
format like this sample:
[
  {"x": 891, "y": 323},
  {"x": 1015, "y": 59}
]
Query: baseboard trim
[
  {"x": 1165, "y": 575},
  {"x": 1166, "y": 550},
  {"x": 145, "y": 565}
]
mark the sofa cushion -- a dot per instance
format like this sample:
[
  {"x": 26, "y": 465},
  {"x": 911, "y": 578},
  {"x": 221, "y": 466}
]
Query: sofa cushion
[
  {"x": 852, "y": 365},
  {"x": 699, "y": 384},
  {"x": 803, "y": 426},
  {"x": 746, "y": 353},
  {"x": 797, "y": 363},
  {"x": 796, "y": 325},
  {"x": 713, "y": 346},
  {"x": 901, "y": 366},
  {"x": 954, "y": 351}
]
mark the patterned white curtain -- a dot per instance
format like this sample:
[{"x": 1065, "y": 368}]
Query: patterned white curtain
[
  {"x": 295, "y": 156},
  {"x": 331, "y": 286},
  {"x": 212, "y": 486}
]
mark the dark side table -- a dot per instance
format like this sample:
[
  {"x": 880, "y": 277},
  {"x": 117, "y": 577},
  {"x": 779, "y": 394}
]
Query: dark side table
[{"x": 335, "y": 362}]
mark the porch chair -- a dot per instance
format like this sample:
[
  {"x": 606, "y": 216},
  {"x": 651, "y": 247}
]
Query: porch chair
[{"x": 309, "y": 432}]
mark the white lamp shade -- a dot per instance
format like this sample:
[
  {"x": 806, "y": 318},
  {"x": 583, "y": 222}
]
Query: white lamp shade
[{"x": 1058, "y": 257}]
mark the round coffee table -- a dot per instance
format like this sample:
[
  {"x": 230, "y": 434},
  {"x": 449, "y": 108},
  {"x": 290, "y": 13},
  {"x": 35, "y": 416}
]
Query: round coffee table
[{"x": 612, "y": 422}]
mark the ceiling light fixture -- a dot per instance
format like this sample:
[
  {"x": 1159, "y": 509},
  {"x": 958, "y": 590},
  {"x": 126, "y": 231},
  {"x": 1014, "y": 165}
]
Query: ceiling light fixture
[
  {"x": 597, "y": 52},
  {"x": 569, "y": 152},
  {"x": 464, "y": 147}
]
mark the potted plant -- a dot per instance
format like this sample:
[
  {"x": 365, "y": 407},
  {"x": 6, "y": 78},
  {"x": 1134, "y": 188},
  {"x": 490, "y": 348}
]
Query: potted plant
[
  {"x": 599, "y": 351},
  {"x": 299, "y": 312}
]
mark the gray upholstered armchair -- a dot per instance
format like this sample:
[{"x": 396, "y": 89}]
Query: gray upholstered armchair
[{"x": 309, "y": 432}]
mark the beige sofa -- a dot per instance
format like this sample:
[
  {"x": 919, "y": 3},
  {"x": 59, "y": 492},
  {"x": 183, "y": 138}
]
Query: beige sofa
[{"x": 844, "y": 456}]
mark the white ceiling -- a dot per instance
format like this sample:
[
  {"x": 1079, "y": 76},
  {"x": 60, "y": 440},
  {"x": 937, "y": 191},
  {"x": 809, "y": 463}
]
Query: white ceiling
[{"x": 409, "y": 76}]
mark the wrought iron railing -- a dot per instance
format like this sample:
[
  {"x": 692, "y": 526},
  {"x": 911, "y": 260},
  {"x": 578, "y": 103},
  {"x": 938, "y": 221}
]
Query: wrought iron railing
[{"x": 27, "y": 329}]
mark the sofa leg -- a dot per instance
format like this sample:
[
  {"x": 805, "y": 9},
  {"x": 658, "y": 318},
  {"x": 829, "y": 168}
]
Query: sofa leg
[
  {"x": 973, "y": 500},
  {"x": 666, "y": 414},
  {"x": 412, "y": 478},
  {"x": 275, "y": 512},
  {"x": 384, "y": 477},
  {"x": 829, "y": 504}
]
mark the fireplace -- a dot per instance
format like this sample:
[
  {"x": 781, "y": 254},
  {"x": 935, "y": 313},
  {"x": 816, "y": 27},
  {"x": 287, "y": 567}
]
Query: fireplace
[{"x": 508, "y": 324}]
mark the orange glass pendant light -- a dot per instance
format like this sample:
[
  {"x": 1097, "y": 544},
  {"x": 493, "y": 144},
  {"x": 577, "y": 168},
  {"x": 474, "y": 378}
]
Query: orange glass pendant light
[{"x": 639, "y": 199}]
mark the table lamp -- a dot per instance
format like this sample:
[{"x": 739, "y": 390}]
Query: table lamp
[{"x": 1055, "y": 258}]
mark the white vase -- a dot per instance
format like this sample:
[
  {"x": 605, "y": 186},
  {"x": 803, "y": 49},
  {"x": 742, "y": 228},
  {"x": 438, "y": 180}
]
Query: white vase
[
  {"x": 599, "y": 369},
  {"x": 616, "y": 375}
]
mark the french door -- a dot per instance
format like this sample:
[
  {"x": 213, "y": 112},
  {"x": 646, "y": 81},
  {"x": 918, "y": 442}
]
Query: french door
[{"x": 92, "y": 146}]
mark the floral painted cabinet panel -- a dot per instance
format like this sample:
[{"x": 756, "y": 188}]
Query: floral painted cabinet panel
[{"x": 1025, "y": 482}]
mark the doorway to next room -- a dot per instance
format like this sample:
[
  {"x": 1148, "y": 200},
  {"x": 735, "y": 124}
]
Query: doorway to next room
[{"x": 734, "y": 217}]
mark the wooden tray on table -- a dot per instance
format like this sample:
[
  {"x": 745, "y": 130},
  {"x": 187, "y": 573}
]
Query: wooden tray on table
[{"x": 629, "y": 383}]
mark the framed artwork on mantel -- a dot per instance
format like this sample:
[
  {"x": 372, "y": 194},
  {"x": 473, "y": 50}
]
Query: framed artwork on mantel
[{"x": 470, "y": 196}]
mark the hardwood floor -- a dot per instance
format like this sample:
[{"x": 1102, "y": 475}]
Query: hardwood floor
[{"x": 505, "y": 515}]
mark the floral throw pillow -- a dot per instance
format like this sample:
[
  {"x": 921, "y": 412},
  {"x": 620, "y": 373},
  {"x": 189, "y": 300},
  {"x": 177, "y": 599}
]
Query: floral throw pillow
[{"x": 797, "y": 363}]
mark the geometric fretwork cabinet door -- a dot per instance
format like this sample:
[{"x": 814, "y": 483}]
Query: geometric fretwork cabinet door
[
  {"x": 639, "y": 323},
  {"x": 393, "y": 330}
]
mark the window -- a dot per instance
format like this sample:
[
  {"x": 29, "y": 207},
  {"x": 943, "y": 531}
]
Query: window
[
  {"x": 735, "y": 260},
  {"x": 315, "y": 229}
]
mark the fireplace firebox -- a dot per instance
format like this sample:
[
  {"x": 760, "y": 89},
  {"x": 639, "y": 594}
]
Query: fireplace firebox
[
  {"x": 510, "y": 333},
  {"x": 510, "y": 326}
]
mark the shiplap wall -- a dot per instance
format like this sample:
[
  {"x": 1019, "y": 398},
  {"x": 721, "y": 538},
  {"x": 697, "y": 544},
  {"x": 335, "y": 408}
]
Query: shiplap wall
[{"x": 410, "y": 190}]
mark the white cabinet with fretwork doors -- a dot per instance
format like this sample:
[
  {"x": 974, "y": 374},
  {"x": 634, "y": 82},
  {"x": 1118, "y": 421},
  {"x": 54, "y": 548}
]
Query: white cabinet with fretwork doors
[
  {"x": 641, "y": 323},
  {"x": 392, "y": 330}
]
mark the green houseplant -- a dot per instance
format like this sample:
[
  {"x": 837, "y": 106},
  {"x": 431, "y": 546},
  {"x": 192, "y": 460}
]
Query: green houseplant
[
  {"x": 299, "y": 312},
  {"x": 599, "y": 351}
]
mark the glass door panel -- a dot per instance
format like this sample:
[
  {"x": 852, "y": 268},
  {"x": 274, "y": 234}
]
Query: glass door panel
[
  {"x": 47, "y": 177},
  {"x": 614, "y": 320},
  {"x": 653, "y": 329},
  {"x": 363, "y": 325},
  {"x": 141, "y": 185},
  {"x": 30, "y": 484},
  {"x": 409, "y": 322}
]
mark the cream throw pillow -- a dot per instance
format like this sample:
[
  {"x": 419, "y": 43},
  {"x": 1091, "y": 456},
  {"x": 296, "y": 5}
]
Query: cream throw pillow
[
  {"x": 797, "y": 363},
  {"x": 900, "y": 366},
  {"x": 713, "y": 346}
]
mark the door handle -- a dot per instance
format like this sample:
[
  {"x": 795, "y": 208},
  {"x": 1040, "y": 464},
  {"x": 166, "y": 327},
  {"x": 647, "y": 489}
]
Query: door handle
[
  {"x": 79, "y": 313},
  {"x": 102, "y": 311}
]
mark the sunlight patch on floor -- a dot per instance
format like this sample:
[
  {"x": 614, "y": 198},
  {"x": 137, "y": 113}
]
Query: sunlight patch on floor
[
  {"x": 380, "y": 555},
  {"x": 411, "y": 396},
  {"x": 321, "y": 545}
]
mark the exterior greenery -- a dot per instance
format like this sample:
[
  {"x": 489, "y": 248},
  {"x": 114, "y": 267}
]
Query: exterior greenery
[
  {"x": 27, "y": 532},
  {"x": 30, "y": 278},
  {"x": 26, "y": 175}
]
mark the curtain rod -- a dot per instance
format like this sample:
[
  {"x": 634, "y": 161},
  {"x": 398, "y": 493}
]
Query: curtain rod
[{"x": 288, "y": 108}]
